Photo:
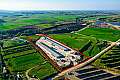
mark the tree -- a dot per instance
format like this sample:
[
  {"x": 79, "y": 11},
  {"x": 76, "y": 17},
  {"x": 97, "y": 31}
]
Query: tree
[
  {"x": 1, "y": 21},
  {"x": 86, "y": 46},
  {"x": 1, "y": 44}
]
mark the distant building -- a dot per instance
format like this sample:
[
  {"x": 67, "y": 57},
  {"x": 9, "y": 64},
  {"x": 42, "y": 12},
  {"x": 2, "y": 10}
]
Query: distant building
[{"x": 99, "y": 24}]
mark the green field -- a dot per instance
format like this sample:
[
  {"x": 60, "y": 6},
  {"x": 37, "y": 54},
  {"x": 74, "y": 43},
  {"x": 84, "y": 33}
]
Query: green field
[
  {"x": 102, "y": 33},
  {"x": 20, "y": 58},
  {"x": 10, "y": 43},
  {"x": 77, "y": 41},
  {"x": 44, "y": 25},
  {"x": 25, "y": 62},
  {"x": 43, "y": 71},
  {"x": 39, "y": 20}
]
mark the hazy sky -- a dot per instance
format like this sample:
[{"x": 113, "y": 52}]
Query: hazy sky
[{"x": 59, "y": 4}]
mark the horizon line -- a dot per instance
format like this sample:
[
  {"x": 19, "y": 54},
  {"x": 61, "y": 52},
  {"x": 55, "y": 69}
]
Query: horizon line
[{"x": 61, "y": 10}]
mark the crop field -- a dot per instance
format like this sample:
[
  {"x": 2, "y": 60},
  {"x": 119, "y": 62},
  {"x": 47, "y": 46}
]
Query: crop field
[
  {"x": 12, "y": 43},
  {"x": 41, "y": 70},
  {"x": 102, "y": 33},
  {"x": 19, "y": 58},
  {"x": 110, "y": 60}
]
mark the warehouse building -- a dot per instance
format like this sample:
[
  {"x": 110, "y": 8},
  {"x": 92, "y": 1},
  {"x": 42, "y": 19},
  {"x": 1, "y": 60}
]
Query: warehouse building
[{"x": 61, "y": 54}]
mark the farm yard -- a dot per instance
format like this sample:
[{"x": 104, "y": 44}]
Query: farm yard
[{"x": 22, "y": 57}]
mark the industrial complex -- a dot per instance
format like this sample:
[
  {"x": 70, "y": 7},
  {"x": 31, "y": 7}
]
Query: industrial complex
[{"x": 61, "y": 54}]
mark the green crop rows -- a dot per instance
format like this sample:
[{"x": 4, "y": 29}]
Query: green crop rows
[{"x": 20, "y": 58}]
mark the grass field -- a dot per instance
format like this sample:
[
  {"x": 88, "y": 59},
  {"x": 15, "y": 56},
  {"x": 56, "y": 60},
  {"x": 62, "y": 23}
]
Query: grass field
[
  {"x": 76, "y": 41},
  {"x": 102, "y": 33},
  {"x": 39, "y": 20}
]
